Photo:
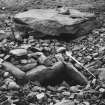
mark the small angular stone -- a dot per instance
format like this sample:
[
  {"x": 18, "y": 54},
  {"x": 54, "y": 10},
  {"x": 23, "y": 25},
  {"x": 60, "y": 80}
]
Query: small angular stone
[
  {"x": 72, "y": 96},
  {"x": 39, "y": 56},
  {"x": 13, "y": 85},
  {"x": 86, "y": 103},
  {"x": 8, "y": 80},
  {"x": 23, "y": 61},
  {"x": 65, "y": 102},
  {"x": 50, "y": 88},
  {"x": 37, "y": 88},
  {"x": 18, "y": 52},
  {"x": 61, "y": 49},
  {"x": 41, "y": 59},
  {"x": 40, "y": 96},
  {"x": 6, "y": 74},
  {"x": 61, "y": 88},
  {"x": 101, "y": 74},
  {"x": 59, "y": 57},
  {"x": 66, "y": 93},
  {"x": 101, "y": 90},
  {"x": 74, "y": 89},
  {"x": 25, "y": 46},
  {"x": 18, "y": 36}
]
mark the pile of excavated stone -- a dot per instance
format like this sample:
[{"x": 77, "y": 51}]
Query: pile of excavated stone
[
  {"x": 45, "y": 62},
  {"x": 40, "y": 61},
  {"x": 35, "y": 63}
]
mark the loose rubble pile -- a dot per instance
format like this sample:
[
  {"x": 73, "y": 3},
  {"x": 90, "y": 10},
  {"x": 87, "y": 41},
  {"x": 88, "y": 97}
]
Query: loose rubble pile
[
  {"x": 50, "y": 54},
  {"x": 40, "y": 71},
  {"x": 38, "y": 63}
]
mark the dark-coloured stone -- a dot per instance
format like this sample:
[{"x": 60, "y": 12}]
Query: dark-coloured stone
[
  {"x": 47, "y": 75},
  {"x": 74, "y": 76}
]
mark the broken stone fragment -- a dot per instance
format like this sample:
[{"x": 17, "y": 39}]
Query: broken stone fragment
[
  {"x": 66, "y": 93},
  {"x": 27, "y": 67},
  {"x": 43, "y": 22},
  {"x": 42, "y": 58},
  {"x": 40, "y": 96},
  {"x": 6, "y": 74},
  {"x": 18, "y": 52},
  {"x": 85, "y": 103},
  {"x": 50, "y": 61},
  {"x": 74, "y": 89},
  {"x": 65, "y": 102},
  {"x": 7, "y": 80},
  {"x": 36, "y": 49},
  {"x": 38, "y": 89},
  {"x": 25, "y": 46},
  {"x": 23, "y": 61},
  {"x": 35, "y": 55},
  {"x": 39, "y": 56},
  {"x": 18, "y": 36},
  {"x": 62, "y": 88},
  {"x": 51, "y": 88},
  {"x": 61, "y": 49},
  {"x": 102, "y": 90},
  {"x": 101, "y": 75},
  {"x": 63, "y": 10},
  {"x": 16, "y": 72},
  {"x": 74, "y": 76},
  {"x": 11, "y": 84},
  {"x": 31, "y": 97},
  {"x": 59, "y": 57}
]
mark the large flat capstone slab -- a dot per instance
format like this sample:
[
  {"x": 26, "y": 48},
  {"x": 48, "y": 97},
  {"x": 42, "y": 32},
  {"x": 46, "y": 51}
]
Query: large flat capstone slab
[{"x": 43, "y": 22}]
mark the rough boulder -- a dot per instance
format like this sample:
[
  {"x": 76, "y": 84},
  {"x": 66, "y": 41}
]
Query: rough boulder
[{"x": 41, "y": 22}]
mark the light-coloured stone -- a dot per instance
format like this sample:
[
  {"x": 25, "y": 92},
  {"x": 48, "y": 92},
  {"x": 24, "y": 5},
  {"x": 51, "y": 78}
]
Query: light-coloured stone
[
  {"x": 11, "y": 84},
  {"x": 50, "y": 22},
  {"x": 101, "y": 74},
  {"x": 18, "y": 52},
  {"x": 40, "y": 96},
  {"x": 16, "y": 72},
  {"x": 65, "y": 102}
]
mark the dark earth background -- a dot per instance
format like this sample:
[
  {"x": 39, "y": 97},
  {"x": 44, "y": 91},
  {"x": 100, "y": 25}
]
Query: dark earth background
[
  {"x": 89, "y": 50},
  {"x": 21, "y": 5}
]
